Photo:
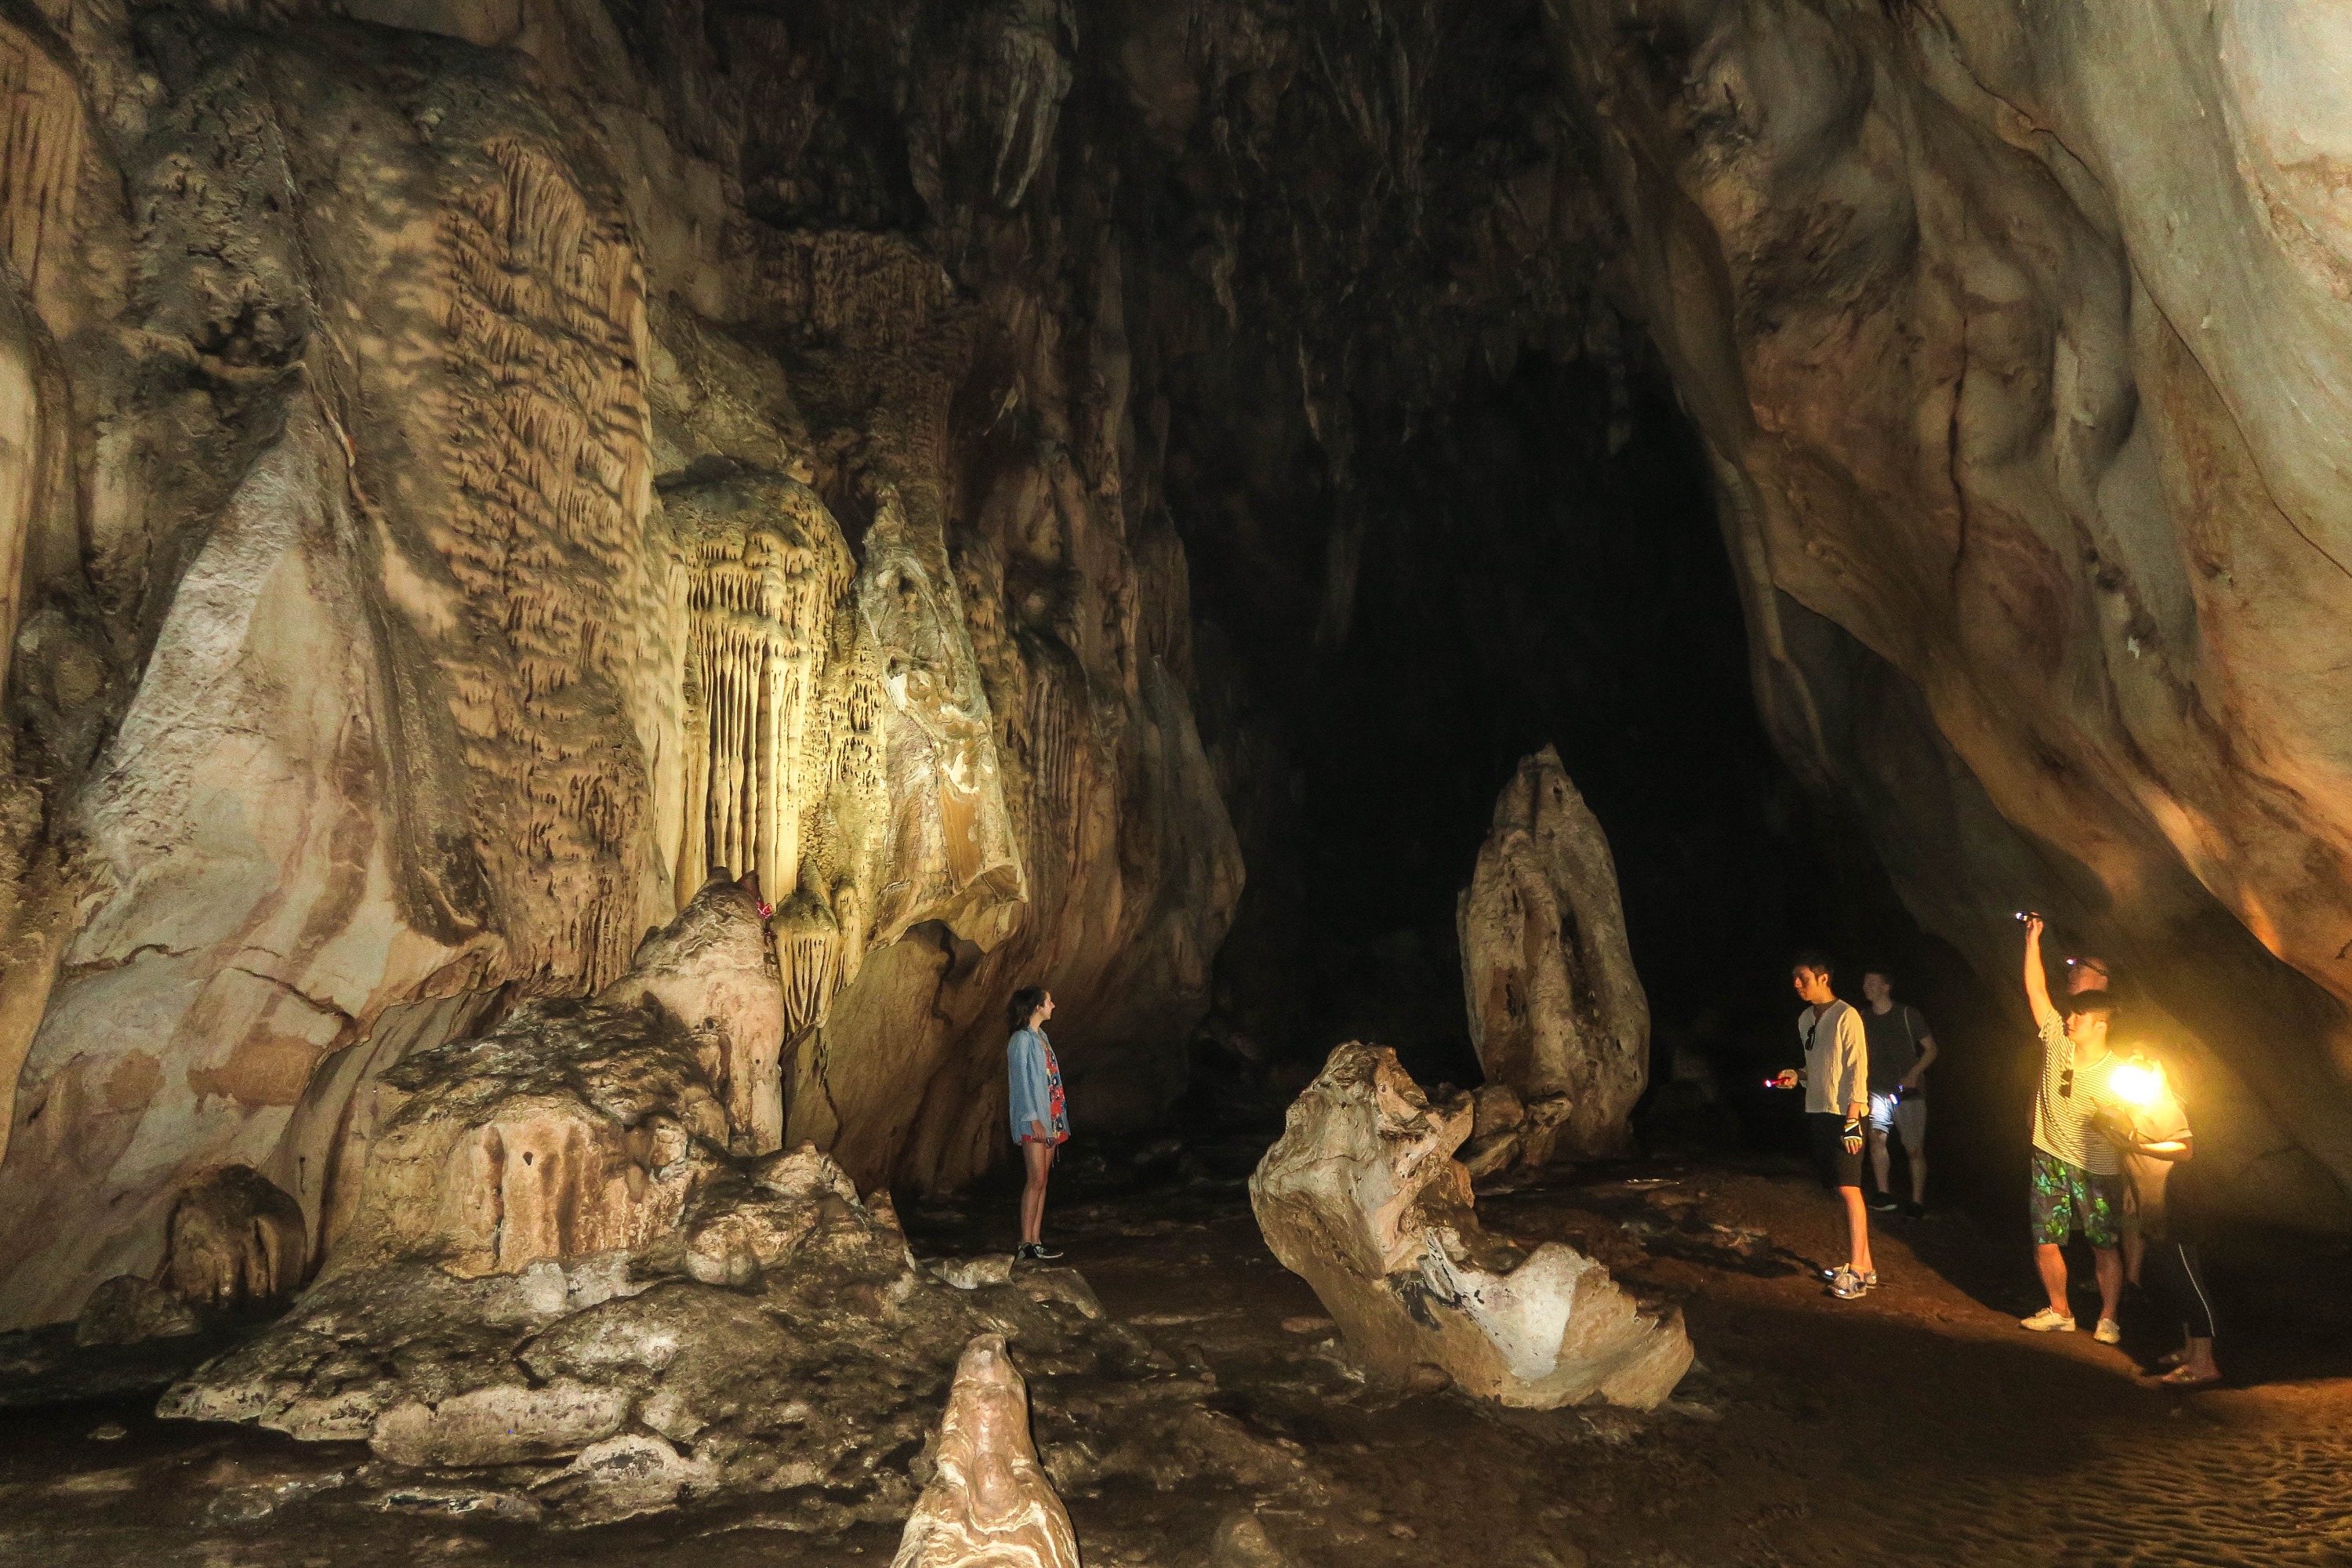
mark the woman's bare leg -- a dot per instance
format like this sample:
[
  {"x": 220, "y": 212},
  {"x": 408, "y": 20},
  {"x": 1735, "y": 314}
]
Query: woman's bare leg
[{"x": 1039, "y": 1159}]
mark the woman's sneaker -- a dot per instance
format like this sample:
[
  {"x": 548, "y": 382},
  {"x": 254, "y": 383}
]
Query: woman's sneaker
[
  {"x": 1869, "y": 1280},
  {"x": 2108, "y": 1332},
  {"x": 2048, "y": 1322},
  {"x": 1847, "y": 1286},
  {"x": 1032, "y": 1252}
]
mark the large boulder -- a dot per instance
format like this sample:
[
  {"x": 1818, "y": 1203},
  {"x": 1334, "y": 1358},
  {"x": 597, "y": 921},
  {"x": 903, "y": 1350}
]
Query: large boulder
[
  {"x": 990, "y": 1503},
  {"x": 1556, "y": 1009},
  {"x": 575, "y": 1128},
  {"x": 1362, "y": 1198}
]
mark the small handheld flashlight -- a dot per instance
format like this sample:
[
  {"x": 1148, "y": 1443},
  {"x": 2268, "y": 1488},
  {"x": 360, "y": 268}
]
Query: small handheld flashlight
[{"x": 2024, "y": 915}]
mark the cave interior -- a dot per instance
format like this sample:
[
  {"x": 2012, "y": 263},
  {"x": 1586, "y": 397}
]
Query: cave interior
[{"x": 1115, "y": 497}]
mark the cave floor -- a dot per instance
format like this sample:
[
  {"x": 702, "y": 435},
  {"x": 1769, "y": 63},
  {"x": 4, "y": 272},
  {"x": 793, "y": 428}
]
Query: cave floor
[{"x": 1919, "y": 1425}]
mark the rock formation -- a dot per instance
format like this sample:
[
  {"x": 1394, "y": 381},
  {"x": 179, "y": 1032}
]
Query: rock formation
[
  {"x": 989, "y": 1503},
  {"x": 1556, "y": 1009},
  {"x": 129, "y": 1310},
  {"x": 562, "y": 1289},
  {"x": 1362, "y": 1198},
  {"x": 234, "y": 1239},
  {"x": 417, "y": 583}
]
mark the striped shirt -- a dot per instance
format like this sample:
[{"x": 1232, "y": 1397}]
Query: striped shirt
[{"x": 2069, "y": 1099}]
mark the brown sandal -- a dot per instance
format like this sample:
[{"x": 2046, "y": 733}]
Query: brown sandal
[{"x": 2181, "y": 1377}]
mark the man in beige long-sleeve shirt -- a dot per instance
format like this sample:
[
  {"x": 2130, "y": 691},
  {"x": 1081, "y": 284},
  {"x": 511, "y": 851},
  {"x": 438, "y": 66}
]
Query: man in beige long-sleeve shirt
[{"x": 1837, "y": 1098}]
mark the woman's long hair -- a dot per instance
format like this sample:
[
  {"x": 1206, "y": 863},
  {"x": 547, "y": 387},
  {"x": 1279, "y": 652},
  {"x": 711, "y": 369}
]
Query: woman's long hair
[{"x": 1026, "y": 1001}]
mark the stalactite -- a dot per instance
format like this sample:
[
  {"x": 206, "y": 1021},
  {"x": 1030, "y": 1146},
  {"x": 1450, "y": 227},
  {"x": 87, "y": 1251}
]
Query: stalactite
[
  {"x": 543, "y": 319},
  {"x": 761, "y": 600},
  {"x": 41, "y": 142}
]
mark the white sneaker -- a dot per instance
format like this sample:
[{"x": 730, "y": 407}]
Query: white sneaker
[
  {"x": 2046, "y": 1320},
  {"x": 2108, "y": 1332}
]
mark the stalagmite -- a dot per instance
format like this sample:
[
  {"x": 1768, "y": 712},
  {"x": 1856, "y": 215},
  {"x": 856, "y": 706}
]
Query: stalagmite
[
  {"x": 235, "y": 1240},
  {"x": 1556, "y": 1009},
  {"x": 990, "y": 1504},
  {"x": 715, "y": 970},
  {"x": 1362, "y": 1198}
]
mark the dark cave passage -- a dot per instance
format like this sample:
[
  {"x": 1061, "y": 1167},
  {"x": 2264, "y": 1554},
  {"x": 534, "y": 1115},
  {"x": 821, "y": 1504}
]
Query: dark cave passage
[{"x": 1536, "y": 562}]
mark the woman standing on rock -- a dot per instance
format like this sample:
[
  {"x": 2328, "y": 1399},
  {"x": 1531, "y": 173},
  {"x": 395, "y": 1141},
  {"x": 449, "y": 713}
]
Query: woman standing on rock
[{"x": 1040, "y": 1121}]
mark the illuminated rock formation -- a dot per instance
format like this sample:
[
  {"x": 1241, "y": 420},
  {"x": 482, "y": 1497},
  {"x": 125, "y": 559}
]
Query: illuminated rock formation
[
  {"x": 1361, "y": 1198},
  {"x": 573, "y": 1129},
  {"x": 989, "y": 1501},
  {"x": 415, "y": 591},
  {"x": 556, "y": 1263},
  {"x": 1556, "y": 1009},
  {"x": 467, "y": 473}
]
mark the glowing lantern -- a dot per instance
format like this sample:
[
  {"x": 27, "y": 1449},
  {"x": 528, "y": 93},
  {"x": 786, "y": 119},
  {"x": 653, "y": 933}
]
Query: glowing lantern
[{"x": 2138, "y": 1083}]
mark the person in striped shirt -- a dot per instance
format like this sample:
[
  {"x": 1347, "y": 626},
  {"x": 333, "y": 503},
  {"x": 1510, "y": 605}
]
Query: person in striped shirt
[{"x": 2078, "y": 1170}]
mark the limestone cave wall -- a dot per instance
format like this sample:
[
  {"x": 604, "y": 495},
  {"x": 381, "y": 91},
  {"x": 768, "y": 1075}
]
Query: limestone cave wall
[
  {"x": 2017, "y": 335},
  {"x": 472, "y": 471}
]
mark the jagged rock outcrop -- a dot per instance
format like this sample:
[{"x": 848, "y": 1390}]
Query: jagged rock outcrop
[
  {"x": 1556, "y": 1009},
  {"x": 578, "y": 1128},
  {"x": 989, "y": 1501},
  {"x": 562, "y": 1289},
  {"x": 414, "y": 586},
  {"x": 2017, "y": 337},
  {"x": 1361, "y": 1197}
]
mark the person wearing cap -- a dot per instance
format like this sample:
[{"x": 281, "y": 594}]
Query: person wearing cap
[{"x": 2077, "y": 1171}]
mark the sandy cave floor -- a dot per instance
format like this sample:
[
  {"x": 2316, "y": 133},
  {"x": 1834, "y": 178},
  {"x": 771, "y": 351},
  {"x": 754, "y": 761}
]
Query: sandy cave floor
[{"x": 1920, "y": 1426}]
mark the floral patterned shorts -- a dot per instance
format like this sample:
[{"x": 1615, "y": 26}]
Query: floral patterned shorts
[{"x": 2068, "y": 1198}]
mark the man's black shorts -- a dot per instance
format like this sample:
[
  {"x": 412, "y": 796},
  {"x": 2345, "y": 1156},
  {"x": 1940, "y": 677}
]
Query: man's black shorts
[{"x": 1839, "y": 1169}]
